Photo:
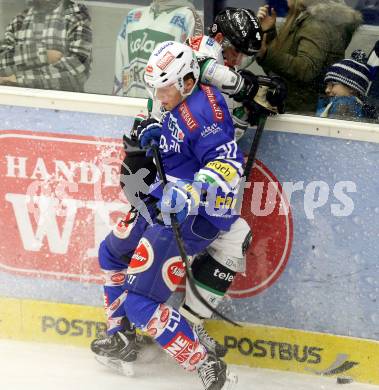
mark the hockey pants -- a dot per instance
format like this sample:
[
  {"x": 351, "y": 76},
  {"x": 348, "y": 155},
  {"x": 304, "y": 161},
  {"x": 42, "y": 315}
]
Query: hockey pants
[{"x": 154, "y": 272}]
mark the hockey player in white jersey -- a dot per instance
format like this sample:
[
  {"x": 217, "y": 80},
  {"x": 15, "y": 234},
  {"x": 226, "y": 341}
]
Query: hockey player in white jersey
[
  {"x": 235, "y": 38},
  {"x": 142, "y": 29}
]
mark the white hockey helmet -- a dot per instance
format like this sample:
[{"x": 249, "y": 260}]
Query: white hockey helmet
[{"x": 169, "y": 63}]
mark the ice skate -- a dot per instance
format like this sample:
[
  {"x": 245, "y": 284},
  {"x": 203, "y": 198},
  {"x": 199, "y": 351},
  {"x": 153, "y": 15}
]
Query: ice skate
[
  {"x": 215, "y": 375},
  {"x": 212, "y": 346},
  {"x": 118, "y": 351}
]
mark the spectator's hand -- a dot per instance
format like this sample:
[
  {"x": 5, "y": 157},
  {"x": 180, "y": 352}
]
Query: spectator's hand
[
  {"x": 148, "y": 131},
  {"x": 266, "y": 17},
  {"x": 53, "y": 56},
  {"x": 8, "y": 80}
]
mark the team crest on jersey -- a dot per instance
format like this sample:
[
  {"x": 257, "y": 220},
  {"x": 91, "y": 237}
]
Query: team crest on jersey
[
  {"x": 173, "y": 272},
  {"x": 165, "y": 61},
  {"x": 143, "y": 257},
  {"x": 218, "y": 114},
  {"x": 187, "y": 117}
]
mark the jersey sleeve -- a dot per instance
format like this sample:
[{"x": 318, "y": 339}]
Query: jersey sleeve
[{"x": 214, "y": 146}]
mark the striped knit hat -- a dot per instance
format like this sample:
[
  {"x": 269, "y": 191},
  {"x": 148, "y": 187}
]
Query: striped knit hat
[{"x": 351, "y": 72}]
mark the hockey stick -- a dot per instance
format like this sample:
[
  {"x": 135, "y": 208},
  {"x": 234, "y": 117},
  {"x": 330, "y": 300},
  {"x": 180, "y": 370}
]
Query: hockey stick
[
  {"x": 254, "y": 147},
  {"x": 250, "y": 160},
  {"x": 180, "y": 243}
]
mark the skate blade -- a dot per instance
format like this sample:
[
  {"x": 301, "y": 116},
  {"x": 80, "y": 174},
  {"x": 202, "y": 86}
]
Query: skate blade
[
  {"x": 116, "y": 365},
  {"x": 231, "y": 381},
  {"x": 113, "y": 364}
]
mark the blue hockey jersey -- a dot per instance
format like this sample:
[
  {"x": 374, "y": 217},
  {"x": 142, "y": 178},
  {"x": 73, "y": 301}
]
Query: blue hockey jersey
[{"x": 198, "y": 139}]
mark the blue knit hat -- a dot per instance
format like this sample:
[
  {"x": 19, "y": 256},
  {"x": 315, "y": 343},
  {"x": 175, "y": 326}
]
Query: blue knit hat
[{"x": 351, "y": 72}]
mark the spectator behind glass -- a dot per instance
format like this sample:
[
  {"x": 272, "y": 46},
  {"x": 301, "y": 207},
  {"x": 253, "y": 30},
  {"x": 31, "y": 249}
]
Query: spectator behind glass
[
  {"x": 142, "y": 29},
  {"x": 315, "y": 35},
  {"x": 347, "y": 83},
  {"x": 48, "y": 46}
]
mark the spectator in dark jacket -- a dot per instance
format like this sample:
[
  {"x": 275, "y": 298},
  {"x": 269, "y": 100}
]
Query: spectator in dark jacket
[
  {"x": 49, "y": 46},
  {"x": 315, "y": 35}
]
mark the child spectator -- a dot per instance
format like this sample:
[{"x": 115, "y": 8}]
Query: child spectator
[{"x": 347, "y": 83}]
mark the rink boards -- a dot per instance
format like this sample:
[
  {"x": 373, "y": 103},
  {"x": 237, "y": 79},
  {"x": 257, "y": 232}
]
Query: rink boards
[
  {"x": 313, "y": 210},
  {"x": 251, "y": 345}
]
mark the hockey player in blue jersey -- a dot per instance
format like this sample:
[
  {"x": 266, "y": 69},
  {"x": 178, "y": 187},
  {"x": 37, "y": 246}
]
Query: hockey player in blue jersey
[
  {"x": 199, "y": 153},
  {"x": 226, "y": 254}
]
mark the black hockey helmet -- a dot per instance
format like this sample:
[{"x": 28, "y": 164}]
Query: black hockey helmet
[{"x": 241, "y": 27}]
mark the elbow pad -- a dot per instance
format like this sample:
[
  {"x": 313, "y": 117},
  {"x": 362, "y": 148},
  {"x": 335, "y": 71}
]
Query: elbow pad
[{"x": 220, "y": 76}]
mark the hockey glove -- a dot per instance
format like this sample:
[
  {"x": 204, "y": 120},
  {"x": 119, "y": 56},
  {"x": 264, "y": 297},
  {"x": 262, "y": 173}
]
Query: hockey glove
[
  {"x": 180, "y": 199},
  {"x": 277, "y": 93},
  {"x": 131, "y": 140},
  {"x": 272, "y": 93},
  {"x": 148, "y": 131},
  {"x": 249, "y": 88}
]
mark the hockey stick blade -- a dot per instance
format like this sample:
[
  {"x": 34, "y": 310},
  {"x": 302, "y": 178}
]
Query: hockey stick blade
[{"x": 179, "y": 241}]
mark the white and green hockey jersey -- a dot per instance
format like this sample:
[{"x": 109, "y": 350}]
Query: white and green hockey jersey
[{"x": 143, "y": 28}]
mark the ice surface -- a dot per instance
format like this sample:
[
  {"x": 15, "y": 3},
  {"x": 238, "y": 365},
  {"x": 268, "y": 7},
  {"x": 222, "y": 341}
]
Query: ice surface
[{"x": 35, "y": 366}]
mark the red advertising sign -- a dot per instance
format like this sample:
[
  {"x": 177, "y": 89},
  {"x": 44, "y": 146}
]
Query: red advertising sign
[
  {"x": 53, "y": 214},
  {"x": 60, "y": 195},
  {"x": 268, "y": 214}
]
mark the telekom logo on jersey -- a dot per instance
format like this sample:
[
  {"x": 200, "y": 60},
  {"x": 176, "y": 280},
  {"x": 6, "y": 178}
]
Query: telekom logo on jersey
[{"x": 60, "y": 195}]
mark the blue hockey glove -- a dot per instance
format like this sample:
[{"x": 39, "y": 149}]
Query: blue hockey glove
[
  {"x": 181, "y": 199},
  {"x": 149, "y": 130}
]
